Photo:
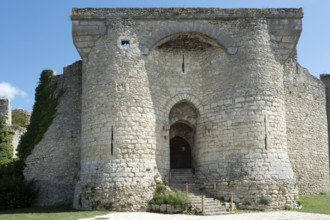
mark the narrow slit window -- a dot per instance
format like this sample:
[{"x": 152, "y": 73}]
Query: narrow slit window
[
  {"x": 183, "y": 63},
  {"x": 125, "y": 44},
  {"x": 265, "y": 120},
  {"x": 111, "y": 140}
]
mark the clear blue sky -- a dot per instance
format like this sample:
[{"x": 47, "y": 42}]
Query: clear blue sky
[{"x": 36, "y": 34}]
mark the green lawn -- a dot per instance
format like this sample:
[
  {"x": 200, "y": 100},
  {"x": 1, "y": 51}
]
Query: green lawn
[
  {"x": 315, "y": 203},
  {"x": 54, "y": 213}
]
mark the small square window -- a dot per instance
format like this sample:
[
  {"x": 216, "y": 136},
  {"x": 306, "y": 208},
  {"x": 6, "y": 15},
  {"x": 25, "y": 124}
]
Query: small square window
[{"x": 125, "y": 44}]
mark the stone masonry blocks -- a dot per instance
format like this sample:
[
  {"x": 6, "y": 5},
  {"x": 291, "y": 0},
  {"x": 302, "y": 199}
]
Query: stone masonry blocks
[{"x": 225, "y": 80}]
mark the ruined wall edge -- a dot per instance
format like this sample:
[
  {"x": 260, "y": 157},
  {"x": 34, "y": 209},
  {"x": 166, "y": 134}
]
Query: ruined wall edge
[{"x": 54, "y": 162}]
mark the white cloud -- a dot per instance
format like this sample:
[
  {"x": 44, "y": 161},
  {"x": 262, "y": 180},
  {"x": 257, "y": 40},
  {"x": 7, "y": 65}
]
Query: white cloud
[{"x": 10, "y": 92}]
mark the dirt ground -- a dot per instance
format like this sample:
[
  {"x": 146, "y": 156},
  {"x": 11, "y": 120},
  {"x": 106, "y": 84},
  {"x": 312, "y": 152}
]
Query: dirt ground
[{"x": 278, "y": 215}]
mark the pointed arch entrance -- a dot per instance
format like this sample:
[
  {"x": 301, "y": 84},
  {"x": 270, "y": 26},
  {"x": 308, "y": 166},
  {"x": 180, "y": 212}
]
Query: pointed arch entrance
[{"x": 183, "y": 118}]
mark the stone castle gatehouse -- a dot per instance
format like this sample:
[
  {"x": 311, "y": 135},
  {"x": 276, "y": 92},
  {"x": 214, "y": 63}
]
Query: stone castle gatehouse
[{"x": 216, "y": 90}]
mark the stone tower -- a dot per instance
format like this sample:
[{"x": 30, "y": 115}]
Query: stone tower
[
  {"x": 5, "y": 109},
  {"x": 153, "y": 78}
]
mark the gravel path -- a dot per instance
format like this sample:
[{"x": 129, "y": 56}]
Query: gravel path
[{"x": 278, "y": 215}]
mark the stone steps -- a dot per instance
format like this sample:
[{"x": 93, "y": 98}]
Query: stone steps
[{"x": 180, "y": 177}]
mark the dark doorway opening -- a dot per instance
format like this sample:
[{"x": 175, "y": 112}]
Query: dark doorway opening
[{"x": 180, "y": 153}]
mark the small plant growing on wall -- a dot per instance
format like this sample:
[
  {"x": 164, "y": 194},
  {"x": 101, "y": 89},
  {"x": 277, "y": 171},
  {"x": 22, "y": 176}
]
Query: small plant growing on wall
[{"x": 265, "y": 200}]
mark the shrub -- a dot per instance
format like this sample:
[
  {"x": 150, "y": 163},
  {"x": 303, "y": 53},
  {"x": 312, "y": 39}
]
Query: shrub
[
  {"x": 14, "y": 190},
  {"x": 265, "y": 200},
  {"x": 160, "y": 188},
  {"x": 176, "y": 198},
  {"x": 288, "y": 207},
  {"x": 163, "y": 196}
]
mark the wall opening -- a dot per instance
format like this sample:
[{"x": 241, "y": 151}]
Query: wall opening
[
  {"x": 180, "y": 153},
  {"x": 125, "y": 44}
]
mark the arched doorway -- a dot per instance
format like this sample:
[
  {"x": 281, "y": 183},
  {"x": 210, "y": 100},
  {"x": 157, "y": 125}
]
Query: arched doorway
[
  {"x": 182, "y": 117},
  {"x": 180, "y": 153}
]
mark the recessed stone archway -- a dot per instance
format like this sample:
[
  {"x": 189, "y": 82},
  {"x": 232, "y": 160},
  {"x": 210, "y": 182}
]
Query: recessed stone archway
[
  {"x": 221, "y": 38},
  {"x": 183, "y": 119}
]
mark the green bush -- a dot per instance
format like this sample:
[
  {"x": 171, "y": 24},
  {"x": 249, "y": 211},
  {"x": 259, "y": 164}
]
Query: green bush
[
  {"x": 288, "y": 207},
  {"x": 14, "y": 190},
  {"x": 160, "y": 188},
  {"x": 163, "y": 196},
  {"x": 265, "y": 200}
]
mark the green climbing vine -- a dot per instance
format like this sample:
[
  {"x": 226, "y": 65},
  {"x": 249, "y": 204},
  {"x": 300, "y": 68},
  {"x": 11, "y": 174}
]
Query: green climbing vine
[
  {"x": 6, "y": 147},
  {"x": 43, "y": 112},
  {"x": 15, "y": 191}
]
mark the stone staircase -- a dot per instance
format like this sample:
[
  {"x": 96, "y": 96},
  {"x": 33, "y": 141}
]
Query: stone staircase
[{"x": 179, "y": 178}]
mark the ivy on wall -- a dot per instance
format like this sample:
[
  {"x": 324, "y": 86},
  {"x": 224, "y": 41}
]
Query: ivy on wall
[
  {"x": 43, "y": 112},
  {"x": 6, "y": 147},
  {"x": 15, "y": 190},
  {"x": 20, "y": 118}
]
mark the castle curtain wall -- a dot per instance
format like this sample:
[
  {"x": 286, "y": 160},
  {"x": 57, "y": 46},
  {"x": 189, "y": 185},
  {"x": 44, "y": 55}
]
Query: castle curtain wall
[
  {"x": 307, "y": 130},
  {"x": 54, "y": 161}
]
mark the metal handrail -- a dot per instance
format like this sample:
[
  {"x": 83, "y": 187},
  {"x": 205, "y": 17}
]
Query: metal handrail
[{"x": 207, "y": 180}]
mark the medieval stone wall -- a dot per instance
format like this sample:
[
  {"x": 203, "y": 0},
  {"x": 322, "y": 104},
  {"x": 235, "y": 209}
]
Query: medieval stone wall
[
  {"x": 138, "y": 67},
  {"x": 307, "y": 130},
  {"x": 216, "y": 78},
  {"x": 54, "y": 161}
]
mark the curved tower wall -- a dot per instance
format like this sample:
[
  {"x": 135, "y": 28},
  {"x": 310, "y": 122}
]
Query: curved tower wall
[
  {"x": 244, "y": 151},
  {"x": 118, "y": 166}
]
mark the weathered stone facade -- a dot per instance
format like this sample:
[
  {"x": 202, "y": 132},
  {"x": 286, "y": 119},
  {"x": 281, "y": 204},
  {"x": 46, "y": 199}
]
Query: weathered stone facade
[
  {"x": 223, "y": 82},
  {"x": 5, "y": 109},
  {"x": 307, "y": 131}
]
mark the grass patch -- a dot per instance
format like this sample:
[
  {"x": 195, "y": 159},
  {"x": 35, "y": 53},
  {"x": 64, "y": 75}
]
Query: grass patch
[
  {"x": 49, "y": 213},
  {"x": 315, "y": 203}
]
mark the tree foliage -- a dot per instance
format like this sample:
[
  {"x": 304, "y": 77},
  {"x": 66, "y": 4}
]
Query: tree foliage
[{"x": 15, "y": 191}]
